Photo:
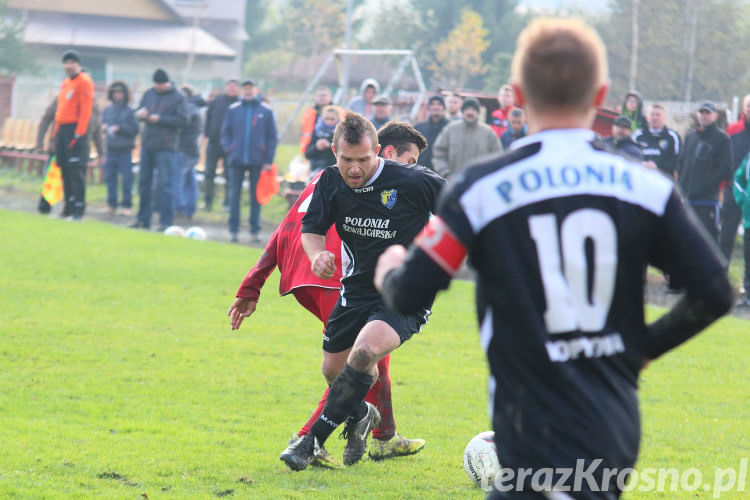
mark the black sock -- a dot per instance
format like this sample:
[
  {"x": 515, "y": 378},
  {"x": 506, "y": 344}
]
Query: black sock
[{"x": 346, "y": 396}]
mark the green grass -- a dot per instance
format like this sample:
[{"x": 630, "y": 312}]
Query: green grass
[{"x": 120, "y": 376}]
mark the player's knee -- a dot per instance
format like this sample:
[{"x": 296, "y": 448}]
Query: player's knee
[{"x": 362, "y": 359}]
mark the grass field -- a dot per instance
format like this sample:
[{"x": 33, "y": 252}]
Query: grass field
[{"x": 120, "y": 378}]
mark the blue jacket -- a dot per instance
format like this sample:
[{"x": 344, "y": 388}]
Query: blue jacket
[
  {"x": 248, "y": 133},
  {"x": 124, "y": 117},
  {"x": 171, "y": 107}
]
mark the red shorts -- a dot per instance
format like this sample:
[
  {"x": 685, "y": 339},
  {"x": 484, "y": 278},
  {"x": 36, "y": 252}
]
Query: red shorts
[{"x": 317, "y": 300}]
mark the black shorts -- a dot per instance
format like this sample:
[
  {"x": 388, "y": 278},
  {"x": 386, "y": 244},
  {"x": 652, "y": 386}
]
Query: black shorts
[{"x": 345, "y": 323}]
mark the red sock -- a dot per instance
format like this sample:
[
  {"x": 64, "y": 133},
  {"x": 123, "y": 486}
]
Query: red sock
[
  {"x": 306, "y": 428},
  {"x": 380, "y": 396}
]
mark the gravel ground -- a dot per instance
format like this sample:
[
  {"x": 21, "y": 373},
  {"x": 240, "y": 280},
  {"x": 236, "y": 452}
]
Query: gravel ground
[{"x": 655, "y": 293}]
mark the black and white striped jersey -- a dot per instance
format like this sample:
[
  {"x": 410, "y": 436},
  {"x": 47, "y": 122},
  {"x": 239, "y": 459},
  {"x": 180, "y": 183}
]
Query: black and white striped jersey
[{"x": 390, "y": 209}]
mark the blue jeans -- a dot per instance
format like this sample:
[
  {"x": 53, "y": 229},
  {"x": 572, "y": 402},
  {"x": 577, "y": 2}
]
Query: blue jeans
[
  {"x": 187, "y": 187},
  {"x": 163, "y": 163},
  {"x": 119, "y": 163},
  {"x": 236, "y": 177}
]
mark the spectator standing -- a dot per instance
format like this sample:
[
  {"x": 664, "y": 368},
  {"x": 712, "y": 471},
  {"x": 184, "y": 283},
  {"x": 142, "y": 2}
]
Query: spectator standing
[
  {"x": 731, "y": 216},
  {"x": 432, "y": 127},
  {"x": 621, "y": 140},
  {"x": 463, "y": 140},
  {"x": 217, "y": 109},
  {"x": 499, "y": 117},
  {"x": 363, "y": 104},
  {"x": 453, "y": 105},
  {"x": 705, "y": 163},
  {"x": 163, "y": 109},
  {"x": 632, "y": 107},
  {"x": 74, "y": 106},
  {"x": 660, "y": 144},
  {"x": 319, "y": 150},
  {"x": 188, "y": 152},
  {"x": 310, "y": 117},
  {"x": 248, "y": 135},
  {"x": 382, "y": 111},
  {"x": 120, "y": 127},
  {"x": 516, "y": 128}
]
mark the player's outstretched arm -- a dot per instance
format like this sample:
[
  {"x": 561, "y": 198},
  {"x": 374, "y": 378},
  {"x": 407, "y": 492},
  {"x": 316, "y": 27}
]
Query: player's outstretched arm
[
  {"x": 700, "y": 307},
  {"x": 240, "y": 309}
]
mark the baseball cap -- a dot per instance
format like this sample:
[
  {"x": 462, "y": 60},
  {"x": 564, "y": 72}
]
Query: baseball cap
[
  {"x": 622, "y": 121},
  {"x": 71, "y": 55},
  {"x": 382, "y": 99},
  {"x": 708, "y": 106}
]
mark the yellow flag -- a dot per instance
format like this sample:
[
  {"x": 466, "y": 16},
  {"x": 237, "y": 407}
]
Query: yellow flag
[{"x": 52, "y": 189}]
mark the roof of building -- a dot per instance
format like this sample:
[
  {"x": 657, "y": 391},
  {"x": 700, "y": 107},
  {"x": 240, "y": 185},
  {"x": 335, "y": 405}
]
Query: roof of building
[
  {"x": 70, "y": 30},
  {"x": 139, "y": 9}
]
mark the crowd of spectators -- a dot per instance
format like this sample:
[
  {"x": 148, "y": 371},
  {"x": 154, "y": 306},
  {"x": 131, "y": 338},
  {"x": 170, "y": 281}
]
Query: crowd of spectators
[{"x": 709, "y": 164}]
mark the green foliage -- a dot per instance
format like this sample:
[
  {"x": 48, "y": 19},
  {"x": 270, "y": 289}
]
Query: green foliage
[
  {"x": 14, "y": 56},
  {"x": 721, "y": 37},
  {"x": 459, "y": 56},
  {"x": 121, "y": 379}
]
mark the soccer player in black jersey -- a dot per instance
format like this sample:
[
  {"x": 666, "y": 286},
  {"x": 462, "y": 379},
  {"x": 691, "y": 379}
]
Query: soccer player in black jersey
[
  {"x": 560, "y": 232},
  {"x": 374, "y": 203}
]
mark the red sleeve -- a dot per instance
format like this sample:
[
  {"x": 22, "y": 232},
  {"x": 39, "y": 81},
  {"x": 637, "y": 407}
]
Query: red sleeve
[{"x": 257, "y": 276}]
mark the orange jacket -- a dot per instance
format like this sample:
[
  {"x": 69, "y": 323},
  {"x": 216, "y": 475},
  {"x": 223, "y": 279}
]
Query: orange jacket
[
  {"x": 74, "y": 103},
  {"x": 308, "y": 127}
]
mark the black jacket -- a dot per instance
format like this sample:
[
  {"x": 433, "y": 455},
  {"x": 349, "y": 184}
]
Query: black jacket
[
  {"x": 430, "y": 130},
  {"x": 171, "y": 106},
  {"x": 627, "y": 146},
  {"x": 705, "y": 162},
  {"x": 319, "y": 159},
  {"x": 217, "y": 109},
  {"x": 192, "y": 131}
]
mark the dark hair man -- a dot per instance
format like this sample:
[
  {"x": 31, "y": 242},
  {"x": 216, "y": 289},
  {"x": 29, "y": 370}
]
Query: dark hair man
[
  {"x": 248, "y": 135},
  {"x": 217, "y": 110},
  {"x": 516, "y": 128},
  {"x": 432, "y": 127},
  {"x": 559, "y": 232},
  {"x": 163, "y": 109},
  {"x": 704, "y": 164},
  {"x": 401, "y": 143},
  {"x": 74, "y": 105},
  {"x": 621, "y": 139},
  {"x": 373, "y": 202}
]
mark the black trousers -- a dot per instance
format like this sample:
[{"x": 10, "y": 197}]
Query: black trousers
[
  {"x": 730, "y": 221},
  {"x": 214, "y": 152},
  {"x": 707, "y": 213},
  {"x": 72, "y": 159}
]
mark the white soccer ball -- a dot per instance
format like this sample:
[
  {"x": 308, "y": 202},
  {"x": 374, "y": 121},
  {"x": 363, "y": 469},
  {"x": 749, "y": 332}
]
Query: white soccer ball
[
  {"x": 480, "y": 460},
  {"x": 174, "y": 231},
  {"x": 196, "y": 233}
]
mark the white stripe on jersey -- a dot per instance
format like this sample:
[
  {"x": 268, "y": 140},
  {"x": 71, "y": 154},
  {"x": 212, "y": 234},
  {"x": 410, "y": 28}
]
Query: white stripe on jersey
[
  {"x": 347, "y": 267},
  {"x": 566, "y": 165},
  {"x": 485, "y": 336}
]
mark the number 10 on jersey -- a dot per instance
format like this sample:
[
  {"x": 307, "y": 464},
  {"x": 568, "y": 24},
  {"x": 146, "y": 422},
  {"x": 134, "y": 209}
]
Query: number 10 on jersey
[{"x": 578, "y": 290}]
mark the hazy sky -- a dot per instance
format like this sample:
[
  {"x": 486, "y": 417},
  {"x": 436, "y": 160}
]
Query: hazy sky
[{"x": 592, "y": 5}]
